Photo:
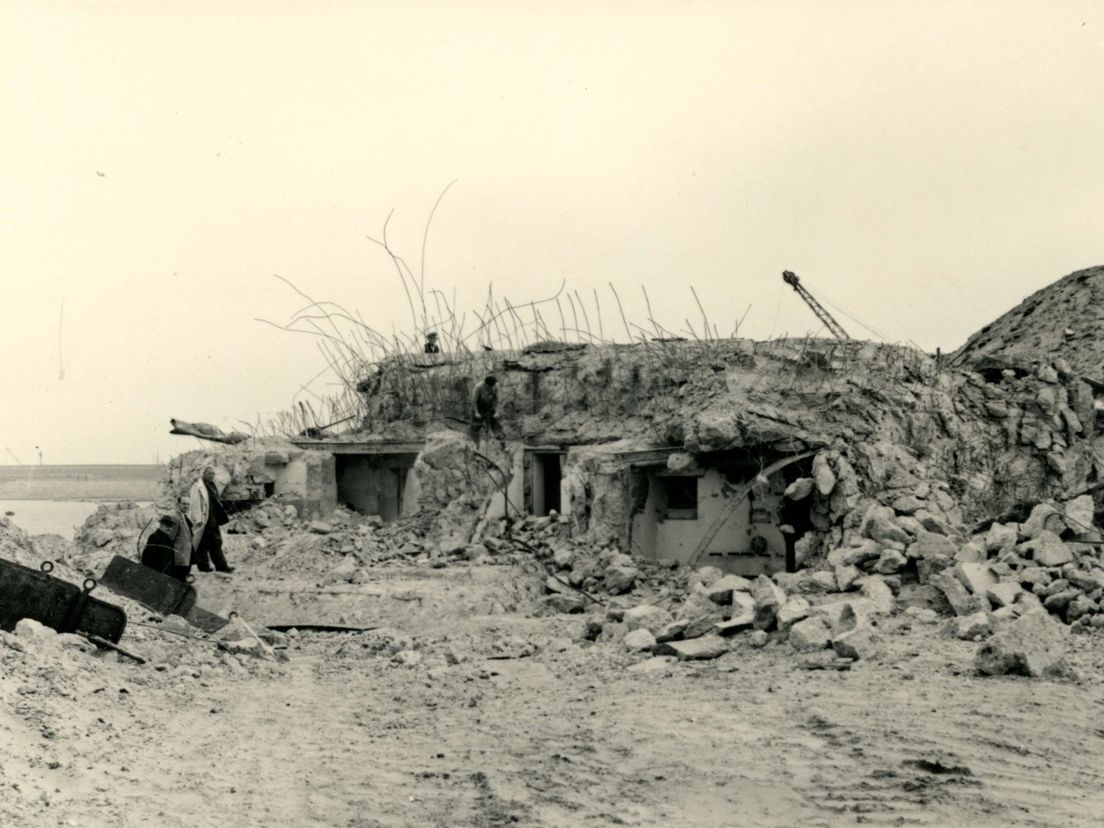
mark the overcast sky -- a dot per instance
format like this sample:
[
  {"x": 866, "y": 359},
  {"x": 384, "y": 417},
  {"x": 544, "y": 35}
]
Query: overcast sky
[{"x": 923, "y": 166}]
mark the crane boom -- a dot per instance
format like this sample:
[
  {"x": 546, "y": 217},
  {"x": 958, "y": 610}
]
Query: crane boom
[{"x": 790, "y": 278}]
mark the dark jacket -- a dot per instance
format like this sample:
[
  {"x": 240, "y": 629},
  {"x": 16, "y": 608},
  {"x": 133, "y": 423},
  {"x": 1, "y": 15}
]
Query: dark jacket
[{"x": 159, "y": 552}]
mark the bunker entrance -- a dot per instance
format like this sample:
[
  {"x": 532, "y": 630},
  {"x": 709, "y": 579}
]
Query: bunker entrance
[
  {"x": 375, "y": 484},
  {"x": 545, "y": 476}
]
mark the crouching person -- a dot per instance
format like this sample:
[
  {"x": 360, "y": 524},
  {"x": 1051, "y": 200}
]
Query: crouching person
[{"x": 169, "y": 548}]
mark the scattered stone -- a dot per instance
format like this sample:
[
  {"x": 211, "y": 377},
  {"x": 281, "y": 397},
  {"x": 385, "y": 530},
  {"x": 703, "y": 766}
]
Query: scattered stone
[
  {"x": 823, "y": 475},
  {"x": 758, "y": 639},
  {"x": 879, "y": 524},
  {"x": 929, "y": 544},
  {"x": 646, "y": 616},
  {"x": 1058, "y": 601},
  {"x": 565, "y": 602},
  {"x": 923, "y": 615},
  {"x": 1032, "y": 575},
  {"x": 1044, "y": 517},
  {"x": 708, "y": 646},
  {"x": 973, "y": 552},
  {"x": 1047, "y": 549},
  {"x": 795, "y": 609},
  {"x": 846, "y": 576},
  {"x": 640, "y": 640},
  {"x": 564, "y": 557},
  {"x": 35, "y": 631},
  {"x": 1001, "y": 536},
  {"x": 769, "y": 598},
  {"x": 810, "y": 634},
  {"x": 860, "y": 643},
  {"x": 877, "y": 591},
  {"x": 962, "y": 601},
  {"x": 1078, "y": 513},
  {"x": 708, "y": 575},
  {"x": 891, "y": 561},
  {"x": 672, "y": 630},
  {"x": 973, "y": 627},
  {"x": 620, "y": 578},
  {"x": 320, "y": 527},
  {"x": 1004, "y": 594},
  {"x": 742, "y": 604},
  {"x": 720, "y": 591},
  {"x": 908, "y": 505},
  {"x": 825, "y": 661},
  {"x": 800, "y": 489},
  {"x": 841, "y": 616},
  {"x": 1032, "y": 645},
  {"x": 407, "y": 658},
  {"x": 976, "y": 577}
]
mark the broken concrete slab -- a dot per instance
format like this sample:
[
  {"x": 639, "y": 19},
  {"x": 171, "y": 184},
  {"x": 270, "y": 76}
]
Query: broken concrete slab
[
  {"x": 1046, "y": 549},
  {"x": 976, "y": 577},
  {"x": 708, "y": 646},
  {"x": 720, "y": 591},
  {"x": 1032, "y": 645},
  {"x": 962, "y": 601},
  {"x": 795, "y": 609}
]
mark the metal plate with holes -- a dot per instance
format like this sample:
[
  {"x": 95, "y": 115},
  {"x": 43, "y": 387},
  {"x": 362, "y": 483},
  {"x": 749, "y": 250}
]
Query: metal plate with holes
[
  {"x": 148, "y": 587},
  {"x": 66, "y": 607}
]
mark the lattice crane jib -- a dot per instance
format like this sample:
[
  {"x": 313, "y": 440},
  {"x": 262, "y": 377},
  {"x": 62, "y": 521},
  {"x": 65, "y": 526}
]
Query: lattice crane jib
[{"x": 791, "y": 279}]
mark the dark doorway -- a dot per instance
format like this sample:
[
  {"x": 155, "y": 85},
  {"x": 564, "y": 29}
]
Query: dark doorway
[
  {"x": 546, "y": 469},
  {"x": 373, "y": 484}
]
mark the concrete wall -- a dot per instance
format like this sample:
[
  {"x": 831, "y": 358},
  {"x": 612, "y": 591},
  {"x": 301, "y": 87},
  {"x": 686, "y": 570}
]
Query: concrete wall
[
  {"x": 309, "y": 481},
  {"x": 654, "y": 537}
]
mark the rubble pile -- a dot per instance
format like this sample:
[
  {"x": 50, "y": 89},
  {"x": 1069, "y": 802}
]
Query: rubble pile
[
  {"x": 16, "y": 545},
  {"x": 1061, "y": 321},
  {"x": 113, "y": 529}
]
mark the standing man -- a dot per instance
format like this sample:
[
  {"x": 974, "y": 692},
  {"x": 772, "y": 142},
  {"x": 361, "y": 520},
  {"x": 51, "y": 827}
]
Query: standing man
[
  {"x": 206, "y": 513},
  {"x": 431, "y": 344},
  {"x": 484, "y": 407}
]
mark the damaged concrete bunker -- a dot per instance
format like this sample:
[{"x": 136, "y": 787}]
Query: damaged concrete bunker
[{"x": 748, "y": 456}]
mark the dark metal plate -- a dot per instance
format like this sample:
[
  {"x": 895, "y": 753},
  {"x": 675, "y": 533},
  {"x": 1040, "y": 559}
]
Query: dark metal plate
[
  {"x": 29, "y": 593},
  {"x": 207, "y": 621},
  {"x": 148, "y": 587}
]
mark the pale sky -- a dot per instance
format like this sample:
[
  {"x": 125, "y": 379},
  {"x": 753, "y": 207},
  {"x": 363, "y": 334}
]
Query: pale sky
[{"x": 922, "y": 165}]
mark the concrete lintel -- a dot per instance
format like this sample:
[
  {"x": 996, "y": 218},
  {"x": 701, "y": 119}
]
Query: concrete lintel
[{"x": 349, "y": 447}]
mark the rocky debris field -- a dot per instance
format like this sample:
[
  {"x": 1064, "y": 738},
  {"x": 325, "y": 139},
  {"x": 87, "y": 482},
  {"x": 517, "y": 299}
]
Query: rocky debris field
[{"x": 525, "y": 679}]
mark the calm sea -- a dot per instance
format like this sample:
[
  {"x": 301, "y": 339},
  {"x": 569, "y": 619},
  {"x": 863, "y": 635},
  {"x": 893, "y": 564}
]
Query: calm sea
[{"x": 58, "y": 499}]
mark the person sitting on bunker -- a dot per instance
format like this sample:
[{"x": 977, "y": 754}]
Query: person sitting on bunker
[
  {"x": 484, "y": 409},
  {"x": 207, "y": 514},
  {"x": 169, "y": 548}
]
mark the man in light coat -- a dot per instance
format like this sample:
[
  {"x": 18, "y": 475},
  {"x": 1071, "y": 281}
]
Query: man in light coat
[{"x": 206, "y": 514}]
